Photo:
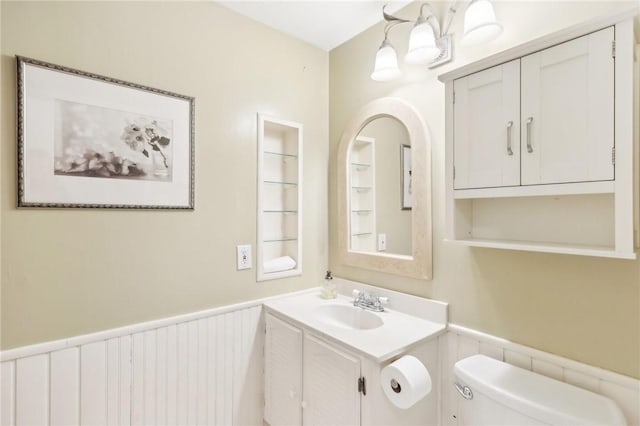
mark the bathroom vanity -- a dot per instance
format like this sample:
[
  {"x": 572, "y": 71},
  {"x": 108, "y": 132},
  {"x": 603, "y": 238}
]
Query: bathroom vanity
[{"x": 323, "y": 358}]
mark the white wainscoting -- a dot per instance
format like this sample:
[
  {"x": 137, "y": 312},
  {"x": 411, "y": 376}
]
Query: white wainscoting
[
  {"x": 197, "y": 369},
  {"x": 459, "y": 343},
  {"x": 206, "y": 368}
]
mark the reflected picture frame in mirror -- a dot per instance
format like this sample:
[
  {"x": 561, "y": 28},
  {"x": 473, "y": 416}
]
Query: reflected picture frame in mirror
[
  {"x": 406, "y": 177},
  {"x": 419, "y": 264}
]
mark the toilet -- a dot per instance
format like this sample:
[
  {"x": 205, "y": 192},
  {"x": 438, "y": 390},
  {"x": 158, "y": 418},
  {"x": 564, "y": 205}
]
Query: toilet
[{"x": 492, "y": 392}]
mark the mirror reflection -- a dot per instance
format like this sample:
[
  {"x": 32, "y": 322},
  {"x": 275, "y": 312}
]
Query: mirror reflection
[{"x": 380, "y": 188}]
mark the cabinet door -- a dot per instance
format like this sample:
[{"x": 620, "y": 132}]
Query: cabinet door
[
  {"x": 567, "y": 111},
  {"x": 331, "y": 394},
  {"x": 487, "y": 128},
  {"x": 283, "y": 373}
]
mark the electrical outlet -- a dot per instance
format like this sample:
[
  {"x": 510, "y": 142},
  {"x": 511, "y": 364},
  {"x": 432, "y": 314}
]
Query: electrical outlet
[
  {"x": 382, "y": 242},
  {"x": 243, "y": 256}
]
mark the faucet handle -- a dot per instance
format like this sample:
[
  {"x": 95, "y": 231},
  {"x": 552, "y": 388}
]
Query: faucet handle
[
  {"x": 355, "y": 293},
  {"x": 383, "y": 300}
]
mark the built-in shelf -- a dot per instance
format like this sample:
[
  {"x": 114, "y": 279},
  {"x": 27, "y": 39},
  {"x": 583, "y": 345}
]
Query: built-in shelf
[
  {"x": 279, "y": 197},
  {"x": 281, "y": 154},
  {"x": 281, "y": 211},
  {"x": 270, "y": 182},
  {"x": 362, "y": 195},
  {"x": 361, "y": 165}
]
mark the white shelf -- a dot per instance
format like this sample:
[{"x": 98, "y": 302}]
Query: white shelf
[
  {"x": 606, "y": 187},
  {"x": 582, "y": 250},
  {"x": 279, "y": 195}
]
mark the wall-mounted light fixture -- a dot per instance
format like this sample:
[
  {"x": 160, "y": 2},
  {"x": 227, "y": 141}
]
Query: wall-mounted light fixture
[{"x": 428, "y": 44}]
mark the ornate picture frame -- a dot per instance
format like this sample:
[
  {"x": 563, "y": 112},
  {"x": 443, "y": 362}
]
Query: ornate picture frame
[{"x": 89, "y": 141}]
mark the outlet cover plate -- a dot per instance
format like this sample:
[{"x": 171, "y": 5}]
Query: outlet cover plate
[{"x": 243, "y": 256}]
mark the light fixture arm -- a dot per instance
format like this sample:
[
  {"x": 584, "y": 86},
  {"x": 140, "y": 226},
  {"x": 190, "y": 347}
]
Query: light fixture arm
[{"x": 430, "y": 18}]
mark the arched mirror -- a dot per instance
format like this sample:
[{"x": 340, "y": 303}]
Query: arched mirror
[{"x": 384, "y": 197}]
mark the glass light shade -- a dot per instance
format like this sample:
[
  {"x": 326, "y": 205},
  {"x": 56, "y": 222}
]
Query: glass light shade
[
  {"x": 422, "y": 45},
  {"x": 386, "y": 66},
  {"x": 480, "y": 23}
]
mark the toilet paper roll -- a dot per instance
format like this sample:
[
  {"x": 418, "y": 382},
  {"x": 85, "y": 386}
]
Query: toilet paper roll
[{"x": 405, "y": 381}]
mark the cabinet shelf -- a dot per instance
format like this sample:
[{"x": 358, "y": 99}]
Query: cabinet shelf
[
  {"x": 605, "y": 187},
  {"x": 564, "y": 248}
]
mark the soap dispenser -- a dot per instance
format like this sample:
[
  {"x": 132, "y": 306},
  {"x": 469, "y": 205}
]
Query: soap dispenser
[{"x": 329, "y": 290}]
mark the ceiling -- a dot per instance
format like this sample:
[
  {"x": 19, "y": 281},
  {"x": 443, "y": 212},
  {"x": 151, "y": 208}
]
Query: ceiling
[{"x": 324, "y": 24}]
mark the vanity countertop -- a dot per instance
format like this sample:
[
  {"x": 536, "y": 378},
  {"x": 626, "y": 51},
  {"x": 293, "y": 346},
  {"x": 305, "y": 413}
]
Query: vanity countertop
[{"x": 399, "y": 332}]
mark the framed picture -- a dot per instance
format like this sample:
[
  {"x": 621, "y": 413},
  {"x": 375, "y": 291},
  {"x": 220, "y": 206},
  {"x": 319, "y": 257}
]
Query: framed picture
[
  {"x": 405, "y": 179},
  {"x": 88, "y": 141}
]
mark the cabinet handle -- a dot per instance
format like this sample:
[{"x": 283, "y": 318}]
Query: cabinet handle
[
  {"x": 509, "y": 150},
  {"x": 529, "y": 147}
]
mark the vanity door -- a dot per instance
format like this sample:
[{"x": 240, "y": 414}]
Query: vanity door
[
  {"x": 331, "y": 395},
  {"x": 283, "y": 373}
]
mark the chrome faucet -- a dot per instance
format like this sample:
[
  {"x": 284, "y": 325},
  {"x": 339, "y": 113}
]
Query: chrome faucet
[{"x": 365, "y": 300}]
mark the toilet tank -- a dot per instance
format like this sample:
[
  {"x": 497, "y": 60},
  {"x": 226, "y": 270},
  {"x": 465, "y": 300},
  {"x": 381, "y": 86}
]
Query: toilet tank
[{"x": 502, "y": 394}]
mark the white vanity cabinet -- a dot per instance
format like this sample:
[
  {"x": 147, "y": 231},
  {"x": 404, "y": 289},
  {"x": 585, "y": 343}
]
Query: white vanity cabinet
[
  {"x": 311, "y": 381},
  {"x": 308, "y": 381},
  {"x": 540, "y": 144},
  {"x": 283, "y": 373},
  {"x": 330, "y": 384}
]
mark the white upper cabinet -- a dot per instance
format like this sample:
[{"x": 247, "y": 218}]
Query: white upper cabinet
[
  {"x": 567, "y": 111},
  {"x": 487, "y": 128},
  {"x": 540, "y": 145},
  {"x": 545, "y": 118}
]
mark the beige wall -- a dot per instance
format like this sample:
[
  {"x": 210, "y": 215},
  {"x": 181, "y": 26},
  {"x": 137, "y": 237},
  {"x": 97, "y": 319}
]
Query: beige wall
[
  {"x": 69, "y": 272},
  {"x": 583, "y": 308}
]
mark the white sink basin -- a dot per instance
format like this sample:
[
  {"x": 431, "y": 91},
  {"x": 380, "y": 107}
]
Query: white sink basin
[{"x": 348, "y": 317}]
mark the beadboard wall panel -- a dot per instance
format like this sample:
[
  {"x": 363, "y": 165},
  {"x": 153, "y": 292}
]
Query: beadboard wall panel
[
  {"x": 204, "y": 371},
  {"x": 462, "y": 342},
  {"x": 207, "y": 368}
]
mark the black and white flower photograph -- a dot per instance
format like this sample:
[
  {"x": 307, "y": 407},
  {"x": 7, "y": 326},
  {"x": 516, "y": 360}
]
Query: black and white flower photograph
[{"x": 98, "y": 142}]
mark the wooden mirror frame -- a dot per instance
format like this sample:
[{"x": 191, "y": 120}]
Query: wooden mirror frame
[{"x": 419, "y": 264}]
